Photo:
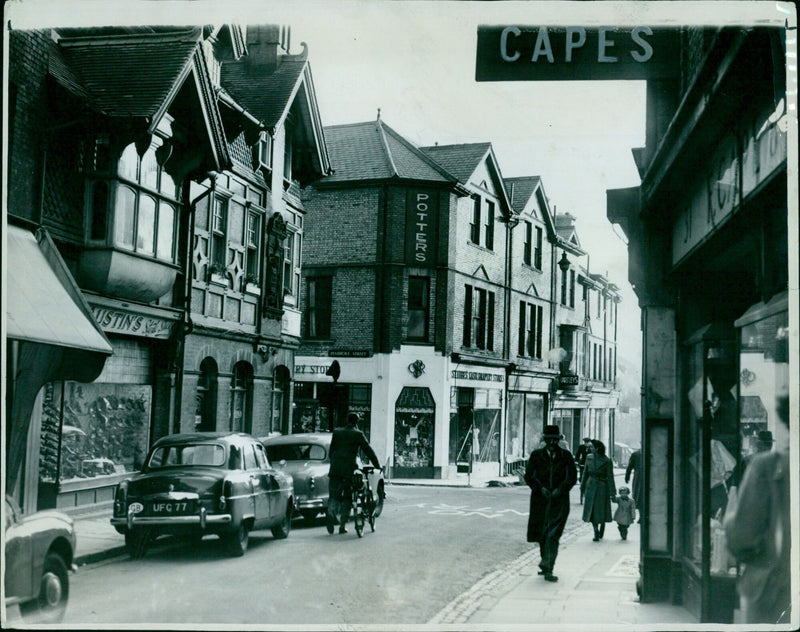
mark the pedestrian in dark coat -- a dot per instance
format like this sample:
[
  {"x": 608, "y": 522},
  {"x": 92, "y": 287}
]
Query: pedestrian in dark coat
[
  {"x": 635, "y": 468},
  {"x": 345, "y": 444},
  {"x": 580, "y": 458},
  {"x": 550, "y": 473},
  {"x": 598, "y": 486}
]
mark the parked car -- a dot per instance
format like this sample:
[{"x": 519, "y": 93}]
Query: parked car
[
  {"x": 39, "y": 549},
  {"x": 198, "y": 483},
  {"x": 305, "y": 456}
]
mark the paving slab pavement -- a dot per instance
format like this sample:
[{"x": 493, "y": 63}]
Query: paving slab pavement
[{"x": 596, "y": 588}]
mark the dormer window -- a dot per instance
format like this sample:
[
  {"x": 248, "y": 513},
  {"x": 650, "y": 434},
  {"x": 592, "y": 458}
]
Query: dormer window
[{"x": 265, "y": 150}]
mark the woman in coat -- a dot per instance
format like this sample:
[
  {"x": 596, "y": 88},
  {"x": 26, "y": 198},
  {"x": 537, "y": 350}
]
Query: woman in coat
[{"x": 598, "y": 488}]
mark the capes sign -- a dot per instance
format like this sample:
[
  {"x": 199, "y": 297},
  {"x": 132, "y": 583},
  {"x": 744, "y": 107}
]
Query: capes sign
[{"x": 546, "y": 53}]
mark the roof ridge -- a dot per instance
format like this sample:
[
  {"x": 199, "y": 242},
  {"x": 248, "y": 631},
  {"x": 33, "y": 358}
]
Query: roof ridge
[
  {"x": 420, "y": 154},
  {"x": 386, "y": 148},
  {"x": 125, "y": 38}
]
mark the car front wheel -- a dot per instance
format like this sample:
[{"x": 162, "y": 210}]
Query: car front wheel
[
  {"x": 236, "y": 542},
  {"x": 51, "y": 604}
]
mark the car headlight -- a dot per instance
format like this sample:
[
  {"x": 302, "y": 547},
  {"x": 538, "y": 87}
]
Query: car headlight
[{"x": 311, "y": 483}]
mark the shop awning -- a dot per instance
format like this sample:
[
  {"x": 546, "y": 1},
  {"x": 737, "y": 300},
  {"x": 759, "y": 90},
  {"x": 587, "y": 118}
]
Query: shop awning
[{"x": 43, "y": 304}]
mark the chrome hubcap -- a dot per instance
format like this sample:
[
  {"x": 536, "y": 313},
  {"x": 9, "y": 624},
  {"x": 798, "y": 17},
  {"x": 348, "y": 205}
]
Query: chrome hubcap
[{"x": 51, "y": 589}]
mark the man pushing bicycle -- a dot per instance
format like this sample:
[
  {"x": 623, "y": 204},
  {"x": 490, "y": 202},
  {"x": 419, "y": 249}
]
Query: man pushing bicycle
[{"x": 345, "y": 444}]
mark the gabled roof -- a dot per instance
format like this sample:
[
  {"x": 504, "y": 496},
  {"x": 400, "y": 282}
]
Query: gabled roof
[
  {"x": 270, "y": 94},
  {"x": 374, "y": 151},
  {"x": 460, "y": 160},
  {"x": 267, "y": 96},
  {"x": 567, "y": 234},
  {"x": 464, "y": 159},
  {"x": 128, "y": 75},
  {"x": 521, "y": 189}
]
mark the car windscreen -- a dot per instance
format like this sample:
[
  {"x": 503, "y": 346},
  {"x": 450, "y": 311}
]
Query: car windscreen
[
  {"x": 199, "y": 454},
  {"x": 295, "y": 452}
]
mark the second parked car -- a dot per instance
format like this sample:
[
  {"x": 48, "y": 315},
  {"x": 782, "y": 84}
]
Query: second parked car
[
  {"x": 306, "y": 457},
  {"x": 204, "y": 482}
]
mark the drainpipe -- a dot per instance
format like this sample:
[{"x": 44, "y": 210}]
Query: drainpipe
[{"x": 177, "y": 374}]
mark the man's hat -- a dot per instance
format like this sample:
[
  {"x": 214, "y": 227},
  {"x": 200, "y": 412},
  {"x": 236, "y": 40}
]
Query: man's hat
[
  {"x": 551, "y": 431},
  {"x": 765, "y": 436}
]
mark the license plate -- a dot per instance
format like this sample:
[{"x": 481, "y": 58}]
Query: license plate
[{"x": 171, "y": 507}]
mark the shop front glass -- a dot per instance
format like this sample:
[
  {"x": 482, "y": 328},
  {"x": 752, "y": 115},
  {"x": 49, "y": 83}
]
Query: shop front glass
[
  {"x": 103, "y": 430},
  {"x": 763, "y": 379},
  {"x": 311, "y": 410},
  {"x": 525, "y": 423},
  {"x": 414, "y": 416}
]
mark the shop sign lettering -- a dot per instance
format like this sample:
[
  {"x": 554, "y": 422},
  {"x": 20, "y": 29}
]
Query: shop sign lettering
[
  {"x": 764, "y": 149},
  {"x": 547, "y": 53},
  {"x": 349, "y": 353},
  {"x": 421, "y": 214},
  {"x": 756, "y": 150},
  {"x": 474, "y": 375},
  {"x": 130, "y": 323},
  {"x": 311, "y": 369}
]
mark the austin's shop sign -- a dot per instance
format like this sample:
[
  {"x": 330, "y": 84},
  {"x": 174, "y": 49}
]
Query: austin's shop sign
[
  {"x": 569, "y": 53},
  {"x": 119, "y": 321}
]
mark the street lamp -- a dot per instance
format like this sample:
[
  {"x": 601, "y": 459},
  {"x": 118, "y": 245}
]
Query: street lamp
[{"x": 564, "y": 263}]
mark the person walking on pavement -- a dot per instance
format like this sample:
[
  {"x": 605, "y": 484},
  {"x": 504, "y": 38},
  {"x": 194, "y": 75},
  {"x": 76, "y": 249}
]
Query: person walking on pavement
[
  {"x": 598, "y": 485},
  {"x": 758, "y": 531},
  {"x": 550, "y": 473},
  {"x": 345, "y": 444},
  {"x": 625, "y": 514},
  {"x": 580, "y": 459},
  {"x": 635, "y": 468}
]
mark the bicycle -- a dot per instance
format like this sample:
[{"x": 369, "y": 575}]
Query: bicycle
[{"x": 364, "y": 502}]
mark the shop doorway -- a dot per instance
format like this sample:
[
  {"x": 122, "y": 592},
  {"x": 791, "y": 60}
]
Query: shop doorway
[{"x": 414, "y": 433}]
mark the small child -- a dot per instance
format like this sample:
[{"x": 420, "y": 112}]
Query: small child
[{"x": 626, "y": 511}]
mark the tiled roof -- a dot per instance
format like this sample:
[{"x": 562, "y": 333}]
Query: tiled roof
[
  {"x": 124, "y": 75},
  {"x": 374, "y": 151},
  {"x": 460, "y": 160},
  {"x": 264, "y": 94},
  {"x": 520, "y": 190}
]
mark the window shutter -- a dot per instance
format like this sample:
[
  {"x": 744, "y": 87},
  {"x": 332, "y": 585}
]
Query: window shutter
[
  {"x": 490, "y": 323},
  {"x": 521, "y": 342}
]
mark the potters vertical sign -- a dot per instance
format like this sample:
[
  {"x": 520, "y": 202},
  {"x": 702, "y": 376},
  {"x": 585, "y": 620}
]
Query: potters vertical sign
[
  {"x": 570, "y": 53},
  {"x": 421, "y": 216}
]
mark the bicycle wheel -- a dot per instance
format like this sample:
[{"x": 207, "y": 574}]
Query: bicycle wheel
[{"x": 358, "y": 517}]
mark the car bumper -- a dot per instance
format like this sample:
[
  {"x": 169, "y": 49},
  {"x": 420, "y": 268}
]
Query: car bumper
[
  {"x": 201, "y": 520},
  {"x": 311, "y": 503}
]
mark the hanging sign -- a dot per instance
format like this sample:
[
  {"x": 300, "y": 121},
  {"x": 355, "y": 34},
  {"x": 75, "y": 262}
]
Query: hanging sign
[{"x": 570, "y": 53}]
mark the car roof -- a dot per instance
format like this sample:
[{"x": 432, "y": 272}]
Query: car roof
[
  {"x": 204, "y": 437},
  {"x": 323, "y": 438}
]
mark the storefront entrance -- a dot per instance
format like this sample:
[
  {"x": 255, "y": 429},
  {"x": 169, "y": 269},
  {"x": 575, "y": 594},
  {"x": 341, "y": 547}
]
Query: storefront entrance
[{"x": 414, "y": 433}]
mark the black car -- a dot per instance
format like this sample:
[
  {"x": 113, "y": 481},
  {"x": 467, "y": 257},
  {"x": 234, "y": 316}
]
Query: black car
[{"x": 197, "y": 483}]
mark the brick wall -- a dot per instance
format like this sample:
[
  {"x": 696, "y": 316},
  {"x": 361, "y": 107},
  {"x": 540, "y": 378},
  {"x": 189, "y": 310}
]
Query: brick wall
[{"x": 27, "y": 71}]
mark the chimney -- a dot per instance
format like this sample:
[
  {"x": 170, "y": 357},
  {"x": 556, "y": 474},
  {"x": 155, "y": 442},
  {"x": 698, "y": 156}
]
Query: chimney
[{"x": 263, "y": 47}]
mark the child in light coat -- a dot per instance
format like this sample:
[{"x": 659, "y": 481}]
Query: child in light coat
[{"x": 626, "y": 511}]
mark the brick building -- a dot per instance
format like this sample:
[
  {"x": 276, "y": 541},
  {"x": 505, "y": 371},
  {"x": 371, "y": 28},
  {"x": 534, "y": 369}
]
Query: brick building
[
  {"x": 429, "y": 305},
  {"x": 164, "y": 162}
]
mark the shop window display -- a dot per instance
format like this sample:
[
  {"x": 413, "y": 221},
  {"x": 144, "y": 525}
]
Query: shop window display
[
  {"x": 414, "y": 428},
  {"x": 104, "y": 430}
]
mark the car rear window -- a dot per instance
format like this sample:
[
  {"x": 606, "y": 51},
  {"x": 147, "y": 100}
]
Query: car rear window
[
  {"x": 204, "y": 454},
  {"x": 296, "y": 452}
]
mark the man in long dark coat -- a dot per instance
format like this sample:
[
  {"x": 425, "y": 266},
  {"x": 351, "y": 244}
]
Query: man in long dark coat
[
  {"x": 635, "y": 468},
  {"x": 345, "y": 444},
  {"x": 550, "y": 474}
]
